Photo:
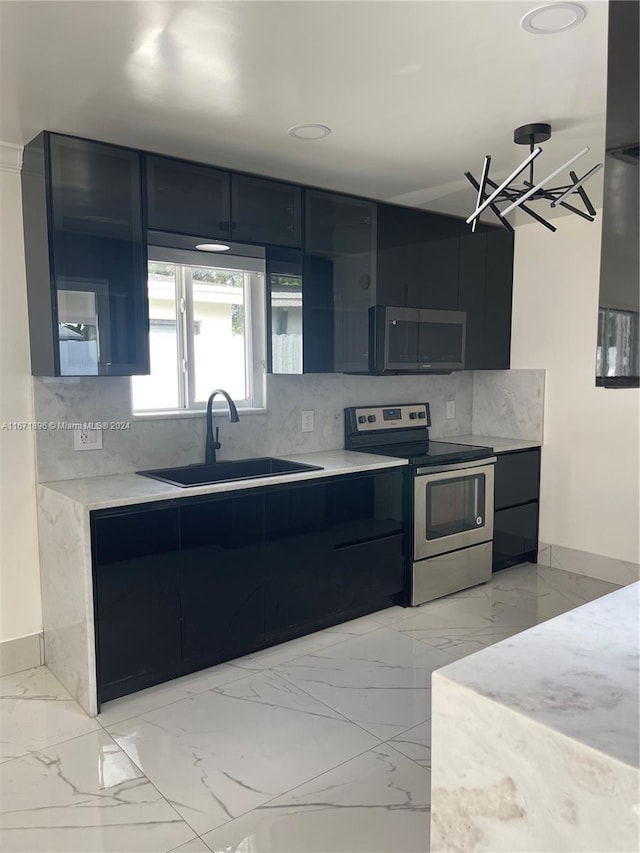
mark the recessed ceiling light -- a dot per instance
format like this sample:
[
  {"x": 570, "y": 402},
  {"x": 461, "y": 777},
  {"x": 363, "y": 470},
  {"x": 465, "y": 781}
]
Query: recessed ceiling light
[
  {"x": 213, "y": 247},
  {"x": 554, "y": 18},
  {"x": 310, "y": 131}
]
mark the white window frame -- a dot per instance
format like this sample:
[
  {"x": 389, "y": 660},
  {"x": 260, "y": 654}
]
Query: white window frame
[{"x": 254, "y": 302}]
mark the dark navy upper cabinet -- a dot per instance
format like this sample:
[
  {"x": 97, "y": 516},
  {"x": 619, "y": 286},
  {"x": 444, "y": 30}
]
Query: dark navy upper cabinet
[
  {"x": 187, "y": 198},
  {"x": 85, "y": 258},
  {"x": 264, "y": 211},
  {"x": 339, "y": 281},
  {"x": 417, "y": 258},
  {"x": 485, "y": 292}
]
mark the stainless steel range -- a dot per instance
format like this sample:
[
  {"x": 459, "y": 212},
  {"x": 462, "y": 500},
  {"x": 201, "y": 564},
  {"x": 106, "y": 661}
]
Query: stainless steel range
[{"x": 451, "y": 495}]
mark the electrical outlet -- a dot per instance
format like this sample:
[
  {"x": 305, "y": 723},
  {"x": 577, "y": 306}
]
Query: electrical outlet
[
  {"x": 307, "y": 421},
  {"x": 451, "y": 409},
  {"x": 87, "y": 439}
]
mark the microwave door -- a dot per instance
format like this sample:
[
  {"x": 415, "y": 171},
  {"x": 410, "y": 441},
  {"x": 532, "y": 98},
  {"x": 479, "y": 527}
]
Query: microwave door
[
  {"x": 441, "y": 339},
  {"x": 402, "y": 336}
]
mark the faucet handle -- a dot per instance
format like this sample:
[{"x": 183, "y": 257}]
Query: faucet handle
[{"x": 217, "y": 434}]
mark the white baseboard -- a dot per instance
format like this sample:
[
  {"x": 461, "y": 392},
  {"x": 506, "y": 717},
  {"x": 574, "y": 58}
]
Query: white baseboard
[
  {"x": 21, "y": 653},
  {"x": 579, "y": 562}
]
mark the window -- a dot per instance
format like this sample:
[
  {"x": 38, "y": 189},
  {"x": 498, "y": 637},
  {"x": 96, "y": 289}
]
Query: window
[{"x": 206, "y": 331}]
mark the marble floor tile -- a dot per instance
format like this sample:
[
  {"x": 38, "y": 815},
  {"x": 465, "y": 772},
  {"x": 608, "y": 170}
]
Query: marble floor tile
[
  {"x": 220, "y": 753},
  {"x": 460, "y": 642},
  {"x": 36, "y": 711},
  {"x": 381, "y": 681},
  {"x": 195, "y": 846},
  {"x": 376, "y": 803},
  {"x": 172, "y": 691},
  {"x": 284, "y": 652},
  {"x": 82, "y": 796},
  {"x": 415, "y": 744}
]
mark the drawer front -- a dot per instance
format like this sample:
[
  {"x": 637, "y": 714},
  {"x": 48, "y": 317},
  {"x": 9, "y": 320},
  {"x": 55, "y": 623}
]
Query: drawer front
[
  {"x": 515, "y": 535},
  {"x": 517, "y": 478}
]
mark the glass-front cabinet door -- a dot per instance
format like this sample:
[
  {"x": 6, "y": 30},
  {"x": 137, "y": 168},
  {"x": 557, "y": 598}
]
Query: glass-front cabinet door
[
  {"x": 99, "y": 264},
  {"x": 339, "y": 281}
]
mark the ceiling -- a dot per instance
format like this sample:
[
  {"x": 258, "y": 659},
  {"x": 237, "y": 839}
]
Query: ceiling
[{"x": 416, "y": 93}]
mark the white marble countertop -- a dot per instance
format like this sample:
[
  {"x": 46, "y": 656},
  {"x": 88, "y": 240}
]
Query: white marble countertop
[
  {"x": 125, "y": 489},
  {"x": 499, "y": 445},
  {"x": 576, "y": 674}
]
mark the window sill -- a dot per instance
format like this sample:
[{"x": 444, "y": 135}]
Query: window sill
[{"x": 191, "y": 413}]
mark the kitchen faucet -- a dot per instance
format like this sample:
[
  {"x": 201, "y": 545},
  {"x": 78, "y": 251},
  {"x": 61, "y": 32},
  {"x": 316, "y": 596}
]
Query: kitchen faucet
[{"x": 212, "y": 445}]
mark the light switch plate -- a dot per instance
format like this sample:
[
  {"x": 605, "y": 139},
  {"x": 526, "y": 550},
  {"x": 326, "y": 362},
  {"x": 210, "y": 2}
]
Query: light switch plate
[
  {"x": 451, "y": 409},
  {"x": 307, "y": 421},
  {"x": 87, "y": 439}
]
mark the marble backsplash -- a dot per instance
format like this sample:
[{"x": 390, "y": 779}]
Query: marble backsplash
[
  {"x": 154, "y": 443},
  {"x": 508, "y": 403}
]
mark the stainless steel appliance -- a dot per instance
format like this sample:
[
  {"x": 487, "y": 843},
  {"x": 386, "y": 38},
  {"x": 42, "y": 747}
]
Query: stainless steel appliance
[
  {"x": 417, "y": 340},
  {"x": 451, "y": 496}
]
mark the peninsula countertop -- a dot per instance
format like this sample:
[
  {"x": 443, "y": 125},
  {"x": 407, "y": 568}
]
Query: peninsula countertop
[{"x": 545, "y": 724}]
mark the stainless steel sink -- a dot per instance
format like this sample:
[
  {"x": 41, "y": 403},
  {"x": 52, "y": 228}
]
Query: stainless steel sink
[{"x": 222, "y": 472}]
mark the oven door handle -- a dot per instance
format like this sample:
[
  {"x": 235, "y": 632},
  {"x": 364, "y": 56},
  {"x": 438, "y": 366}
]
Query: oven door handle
[{"x": 457, "y": 466}]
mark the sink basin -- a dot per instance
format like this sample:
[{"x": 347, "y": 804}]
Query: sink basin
[{"x": 224, "y": 472}]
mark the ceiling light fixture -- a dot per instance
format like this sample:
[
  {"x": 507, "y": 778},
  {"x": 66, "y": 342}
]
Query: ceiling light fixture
[
  {"x": 213, "y": 247},
  {"x": 531, "y": 135},
  {"x": 553, "y": 18},
  {"x": 309, "y": 131}
]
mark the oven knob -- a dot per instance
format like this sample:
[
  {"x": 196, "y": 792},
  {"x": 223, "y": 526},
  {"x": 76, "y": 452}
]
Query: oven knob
[
  {"x": 362, "y": 419},
  {"x": 372, "y": 419},
  {"x": 422, "y": 415},
  {"x": 413, "y": 415}
]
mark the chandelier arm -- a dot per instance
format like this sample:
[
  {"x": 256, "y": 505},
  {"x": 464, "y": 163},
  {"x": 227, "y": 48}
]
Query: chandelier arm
[
  {"x": 583, "y": 194},
  {"x": 508, "y": 226},
  {"x": 544, "y": 181},
  {"x": 578, "y": 183},
  {"x": 504, "y": 184},
  {"x": 575, "y": 210},
  {"x": 528, "y": 210},
  {"x": 483, "y": 182}
]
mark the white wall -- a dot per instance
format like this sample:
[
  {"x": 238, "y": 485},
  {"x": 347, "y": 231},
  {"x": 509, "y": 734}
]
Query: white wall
[
  {"x": 590, "y": 462},
  {"x": 20, "y": 612}
]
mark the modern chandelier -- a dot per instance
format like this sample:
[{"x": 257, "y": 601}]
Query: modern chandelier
[{"x": 515, "y": 196}]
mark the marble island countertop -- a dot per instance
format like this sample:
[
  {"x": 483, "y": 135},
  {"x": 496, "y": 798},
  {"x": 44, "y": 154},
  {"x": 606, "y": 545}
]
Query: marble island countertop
[
  {"x": 536, "y": 739},
  {"x": 110, "y": 490}
]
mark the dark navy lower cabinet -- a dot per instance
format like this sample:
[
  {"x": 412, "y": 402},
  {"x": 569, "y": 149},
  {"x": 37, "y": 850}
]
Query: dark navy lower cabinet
[
  {"x": 186, "y": 584},
  {"x": 516, "y": 497},
  {"x": 136, "y": 570},
  {"x": 222, "y": 578}
]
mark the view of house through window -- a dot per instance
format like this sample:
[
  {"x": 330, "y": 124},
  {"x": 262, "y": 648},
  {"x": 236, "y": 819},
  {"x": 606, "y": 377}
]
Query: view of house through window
[{"x": 205, "y": 332}]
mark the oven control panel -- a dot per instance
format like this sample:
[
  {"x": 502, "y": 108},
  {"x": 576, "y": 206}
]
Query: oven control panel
[{"x": 369, "y": 418}]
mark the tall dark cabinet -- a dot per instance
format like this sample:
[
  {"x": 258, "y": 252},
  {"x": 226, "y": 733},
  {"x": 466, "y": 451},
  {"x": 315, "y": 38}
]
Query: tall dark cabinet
[
  {"x": 485, "y": 293},
  {"x": 339, "y": 281},
  {"x": 85, "y": 258}
]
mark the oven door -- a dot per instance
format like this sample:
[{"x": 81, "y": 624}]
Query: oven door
[{"x": 453, "y": 507}]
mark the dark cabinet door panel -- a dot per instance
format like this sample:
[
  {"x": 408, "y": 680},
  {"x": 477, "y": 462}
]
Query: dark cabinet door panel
[
  {"x": 515, "y": 535},
  {"x": 97, "y": 247},
  {"x": 222, "y": 578},
  {"x": 187, "y": 198},
  {"x": 297, "y": 557},
  {"x": 498, "y": 294},
  {"x": 517, "y": 478},
  {"x": 371, "y": 573},
  {"x": 339, "y": 276},
  {"x": 137, "y": 599},
  {"x": 473, "y": 257},
  {"x": 417, "y": 258},
  {"x": 264, "y": 211}
]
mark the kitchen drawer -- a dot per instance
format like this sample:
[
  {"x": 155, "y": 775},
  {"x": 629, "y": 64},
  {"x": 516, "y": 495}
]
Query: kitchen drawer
[
  {"x": 517, "y": 478},
  {"x": 515, "y": 535}
]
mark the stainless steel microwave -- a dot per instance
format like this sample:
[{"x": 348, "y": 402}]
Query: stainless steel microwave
[{"x": 418, "y": 340}]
